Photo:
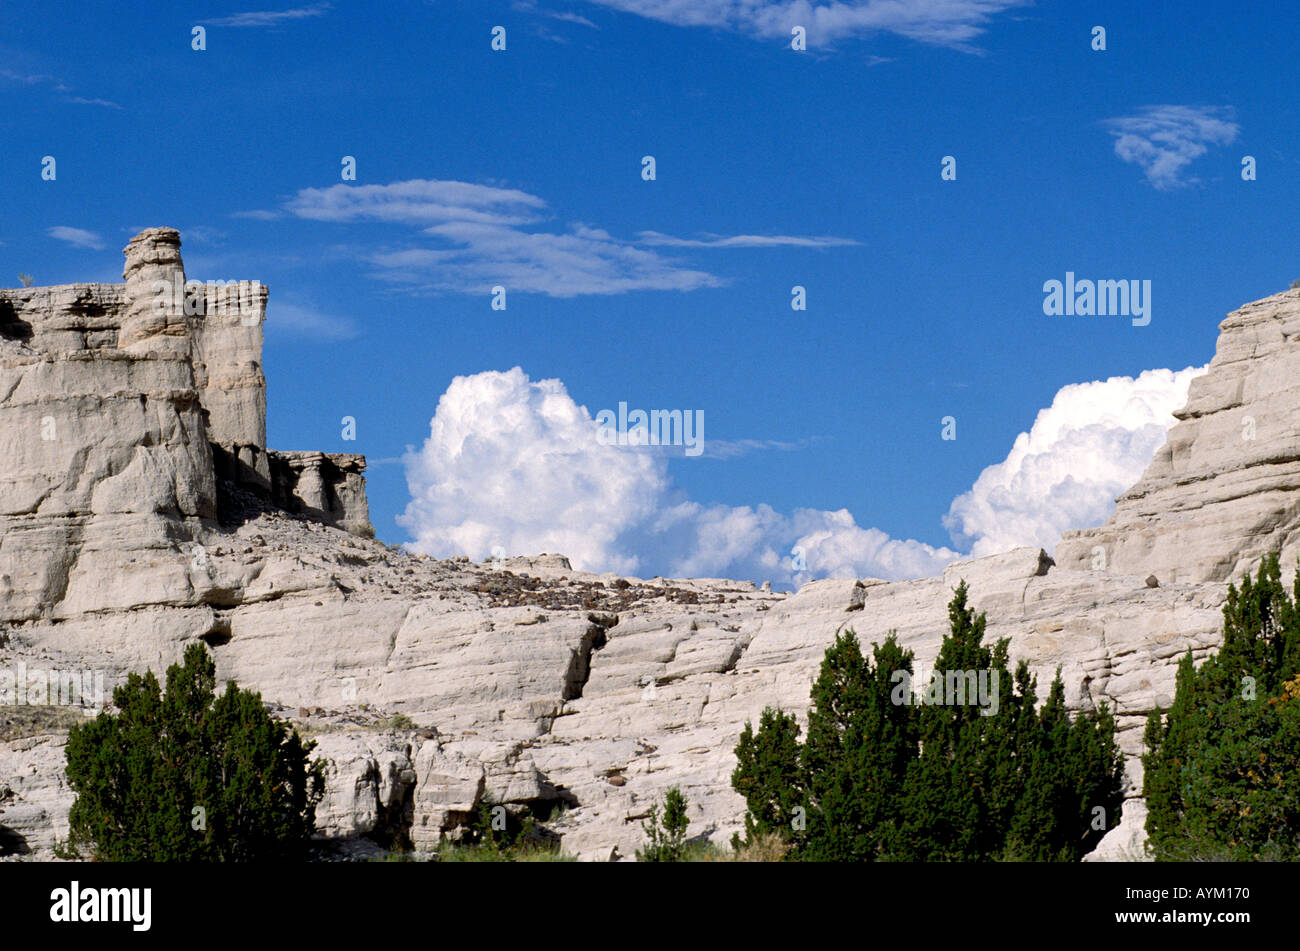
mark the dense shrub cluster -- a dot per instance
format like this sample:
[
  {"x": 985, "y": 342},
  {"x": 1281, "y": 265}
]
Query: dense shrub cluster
[
  {"x": 888, "y": 773},
  {"x": 187, "y": 775},
  {"x": 1222, "y": 771}
]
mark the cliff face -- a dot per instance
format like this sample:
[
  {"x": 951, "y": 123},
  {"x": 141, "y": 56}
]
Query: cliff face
[
  {"x": 1225, "y": 487},
  {"x": 158, "y": 517},
  {"x": 113, "y": 401}
]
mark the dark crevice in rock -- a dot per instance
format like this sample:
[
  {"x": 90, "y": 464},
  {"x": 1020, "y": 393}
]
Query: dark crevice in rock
[
  {"x": 737, "y": 652},
  {"x": 13, "y": 327},
  {"x": 593, "y": 639},
  {"x": 11, "y": 843},
  {"x": 223, "y": 598},
  {"x": 394, "y": 822},
  {"x": 236, "y": 504},
  {"x": 219, "y": 632}
]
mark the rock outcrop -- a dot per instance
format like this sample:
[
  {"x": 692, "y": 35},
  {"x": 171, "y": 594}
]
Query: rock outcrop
[
  {"x": 1225, "y": 487},
  {"x": 114, "y": 402},
  {"x": 157, "y": 516}
]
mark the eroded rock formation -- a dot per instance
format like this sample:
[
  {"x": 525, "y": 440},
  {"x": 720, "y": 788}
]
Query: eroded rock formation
[
  {"x": 1225, "y": 487},
  {"x": 157, "y": 516}
]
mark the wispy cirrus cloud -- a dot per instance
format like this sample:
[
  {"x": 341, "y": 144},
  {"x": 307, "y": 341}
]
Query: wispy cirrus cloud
[
  {"x": 1164, "y": 140},
  {"x": 77, "y": 237},
  {"x": 564, "y": 16},
  {"x": 730, "y": 448},
  {"x": 954, "y": 23},
  {"x": 27, "y": 79},
  {"x": 481, "y": 236},
  {"x": 418, "y": 202},
  {"x": 744, "y": 241},
  {"x": 573, "y": 18},
  {"x": 581, "y": 262},
  {"x": 201, "y": 234},
  {"x": 264, "y": 18},
  {"x": 306, "y": 322},
  {"x": 190, "y": 235},
  {"x": 42, "y": 79},
  {"x": 82, "y": 100}
]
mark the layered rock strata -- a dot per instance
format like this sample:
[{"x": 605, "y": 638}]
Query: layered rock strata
[
  {"x": 1225, "y": 487},
  {"x": 575, "y": 697}
]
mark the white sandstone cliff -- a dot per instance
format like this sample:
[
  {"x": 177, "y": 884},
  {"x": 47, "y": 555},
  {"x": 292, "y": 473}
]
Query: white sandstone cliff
[{"x": 157, "y": 516}]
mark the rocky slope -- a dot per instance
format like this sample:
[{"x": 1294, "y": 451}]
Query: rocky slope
[
  {"x": 540, "y": 686},
  {"x": 1225, "y": 487},
  {"x": 154, "y": 518}
]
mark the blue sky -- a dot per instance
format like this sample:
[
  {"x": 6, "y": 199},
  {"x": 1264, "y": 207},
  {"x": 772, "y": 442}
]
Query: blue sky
[{"x": 523, "y": 168}]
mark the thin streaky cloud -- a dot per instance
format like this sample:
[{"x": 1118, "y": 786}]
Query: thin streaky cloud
[
  {"x": 27, "y": 79},
  {"x": 417, "y": 202},
  {"x": 77, "y": 237},
  {"x": 530, "y": 6},
  {"x": 190, "y": 234},
  {"x": 262, "y": 18},
  {"x": 201, "y": 234},
  {"x": 307, "y": 323},
  {"x": 37, "y": 79},
  {"x": 573, "y": 18},
  {"x": 729, "y": 449},
  {"x": 584, "y": 261},
  {"x": 82, "y": 100},
  {"x": 745, "y": 241}
]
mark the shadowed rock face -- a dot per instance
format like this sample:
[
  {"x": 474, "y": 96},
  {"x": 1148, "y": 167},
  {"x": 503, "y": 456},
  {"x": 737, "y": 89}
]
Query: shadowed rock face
[
  {"x": 328, "y": 487},
  {"x": 526, "y": 681}
]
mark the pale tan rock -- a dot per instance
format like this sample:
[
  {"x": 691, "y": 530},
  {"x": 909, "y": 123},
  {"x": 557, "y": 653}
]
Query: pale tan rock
[
  {"x": 228, "y": 363},
  {"x": 448, "y": 789},
  {"x": 1222, "y": 490},
  {"x": 367, "y": 780},
  {"x": 326, "y": 487},
  {"x": 530, "y": 683},
  {"x": 34, "y": 796}
]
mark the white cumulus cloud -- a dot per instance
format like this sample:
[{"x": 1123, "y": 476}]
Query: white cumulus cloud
[
  {"x": 1091, "y": 444},
  {"x": 514, "y": 465}
]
